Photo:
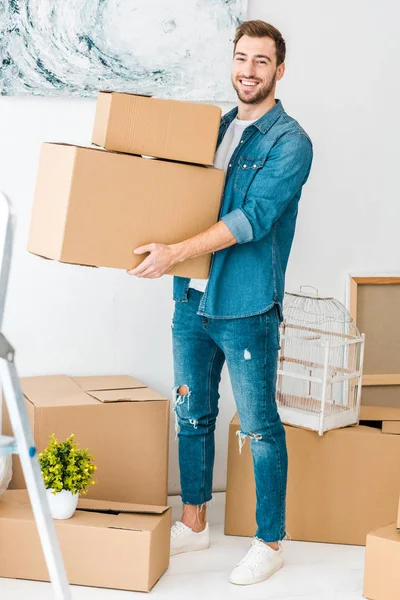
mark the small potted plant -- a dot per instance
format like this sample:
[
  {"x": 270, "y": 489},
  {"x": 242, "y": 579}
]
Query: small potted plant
[{"x": 67, "y": 472}]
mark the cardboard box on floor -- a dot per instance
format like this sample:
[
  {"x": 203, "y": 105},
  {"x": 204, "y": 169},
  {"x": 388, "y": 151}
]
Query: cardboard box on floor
[
  {"x": 340, "y": 486},
  {"x": 171, "y": 129},
  {"x": 121, "y": 421},
  {"x": 94, "y": 207},
  {"x": 105, "y": 544},
  {"x": 382, "y": 560}
]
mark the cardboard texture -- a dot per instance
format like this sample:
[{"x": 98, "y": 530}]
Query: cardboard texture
[
  {"x": 380, "y": 403},
  {"x": 340, "y": 486},
  {"x": 391, "y": 427},
  {"x": 104, "y": 544},
  {"x": 374, "y": 305},
  {"x": 171, "y": 129},
  {"x": 123, "y": 423},
  {"x": 398, "y": 516},
  {"x": 94, "y": 207},
  {"x": 382, "y": 560}
]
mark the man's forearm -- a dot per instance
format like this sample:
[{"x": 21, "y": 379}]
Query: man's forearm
[{"x": 215, "y": 238}]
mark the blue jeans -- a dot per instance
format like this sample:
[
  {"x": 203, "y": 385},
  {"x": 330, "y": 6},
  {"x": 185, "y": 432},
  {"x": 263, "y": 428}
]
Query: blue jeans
[{"x": 250, "y": 347}]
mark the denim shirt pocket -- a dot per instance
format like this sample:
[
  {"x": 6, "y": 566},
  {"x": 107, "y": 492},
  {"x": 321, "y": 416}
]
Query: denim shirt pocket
[{"x": 246, "y": 171}]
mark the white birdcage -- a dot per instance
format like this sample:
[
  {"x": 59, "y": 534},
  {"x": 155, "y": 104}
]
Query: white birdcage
[{"x": 320, "y": 363}]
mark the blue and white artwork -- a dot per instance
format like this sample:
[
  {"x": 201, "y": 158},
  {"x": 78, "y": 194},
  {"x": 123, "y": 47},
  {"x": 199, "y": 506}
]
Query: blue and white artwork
[{"x": 167, "y": 48}]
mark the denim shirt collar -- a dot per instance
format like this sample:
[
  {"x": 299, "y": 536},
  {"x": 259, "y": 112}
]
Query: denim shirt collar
[{"x": 264, "y": 123}]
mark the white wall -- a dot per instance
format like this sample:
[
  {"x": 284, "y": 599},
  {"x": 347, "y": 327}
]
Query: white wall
[{"x": 341, "y": 84}]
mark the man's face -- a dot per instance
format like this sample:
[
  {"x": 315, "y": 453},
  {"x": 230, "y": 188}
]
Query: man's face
[{"x": 254, "y": 70}]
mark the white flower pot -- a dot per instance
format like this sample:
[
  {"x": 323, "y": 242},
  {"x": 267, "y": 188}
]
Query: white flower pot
[{"x": 63, "y": 504}]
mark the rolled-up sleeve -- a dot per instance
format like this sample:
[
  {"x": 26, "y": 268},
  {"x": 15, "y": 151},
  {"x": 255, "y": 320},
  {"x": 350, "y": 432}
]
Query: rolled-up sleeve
[{"x": 284, "y": 173}]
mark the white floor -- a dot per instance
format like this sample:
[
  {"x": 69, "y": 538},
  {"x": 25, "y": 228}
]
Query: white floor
[{"x": 311, "y": 572}]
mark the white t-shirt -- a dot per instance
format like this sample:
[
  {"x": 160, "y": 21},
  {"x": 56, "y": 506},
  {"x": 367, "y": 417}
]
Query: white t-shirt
[{"x": 221, "y": 161}]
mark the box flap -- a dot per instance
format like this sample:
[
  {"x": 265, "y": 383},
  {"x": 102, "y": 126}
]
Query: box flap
[
  {"x": 119, "y": 515},
  {"x": 15, "y": 504},
  {"x": 141, "y": 522},
  {"x": 54, "y": 390},
  {"x": 135, "y": 522},
  {"x": 128, "y": 395},
  {"x": 127, "y": 93},
  {"x": 109, "y": 507},
  {"x": 108, "y": 382},
  {"x": 387, "y": 532}
]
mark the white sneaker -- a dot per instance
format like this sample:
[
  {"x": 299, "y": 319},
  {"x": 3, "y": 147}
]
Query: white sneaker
[
  {"x": 184, "y": 539},
  {"x": 260, "y": 562}
]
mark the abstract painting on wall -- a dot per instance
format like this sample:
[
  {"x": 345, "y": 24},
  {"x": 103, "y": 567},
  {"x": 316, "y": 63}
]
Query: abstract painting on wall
[{"x": 167, "y": 48}]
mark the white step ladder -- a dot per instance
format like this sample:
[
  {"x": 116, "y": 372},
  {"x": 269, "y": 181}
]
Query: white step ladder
[{"x": 23, "y": 443}]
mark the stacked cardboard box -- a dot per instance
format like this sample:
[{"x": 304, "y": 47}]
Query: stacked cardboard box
[
  {"x": 124, "y": 424},
  {"x": 105, "y": 544},
  {"x": 340, "y": 486},
  {"x": 94, "y": 206},
  {"x": 137, "y": 124},
  {"x": 346, "y": 483}
]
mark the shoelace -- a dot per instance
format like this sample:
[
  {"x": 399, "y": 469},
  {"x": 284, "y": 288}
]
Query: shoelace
[
  {"x": 254, "y": 555},
  {"x": 177, "y": 528}
]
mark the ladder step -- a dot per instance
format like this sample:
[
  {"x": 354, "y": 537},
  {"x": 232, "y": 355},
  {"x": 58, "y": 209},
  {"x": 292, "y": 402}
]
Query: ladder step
[{"x": 7, "y": 445}]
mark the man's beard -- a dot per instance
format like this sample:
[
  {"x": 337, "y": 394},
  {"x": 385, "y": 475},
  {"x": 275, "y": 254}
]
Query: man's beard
[{"x": 262, "y": 92}]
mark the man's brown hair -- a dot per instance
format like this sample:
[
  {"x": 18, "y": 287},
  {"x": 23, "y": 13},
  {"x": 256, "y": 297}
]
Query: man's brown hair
[{"x": 262, "y": 29}]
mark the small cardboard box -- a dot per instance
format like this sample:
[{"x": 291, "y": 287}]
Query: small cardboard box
[
  {"x": 171, "y": 129},
  {"x": 340, "y": 486},
  {"x": 123, "y": 423},
  {"x": 382, "y": 561},
  {"x": 105, "y": 544},
  {"x": 94, "y": 207}
]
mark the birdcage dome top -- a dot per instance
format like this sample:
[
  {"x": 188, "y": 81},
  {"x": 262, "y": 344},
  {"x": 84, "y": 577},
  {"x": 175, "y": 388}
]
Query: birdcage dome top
[
  {"x": 325, "y": 313},
  {"x": 305, "y": 295}
]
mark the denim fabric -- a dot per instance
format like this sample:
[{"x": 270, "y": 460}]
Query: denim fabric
[
  {"x": 262, "y": 189},
  {"x": 250, "y": 347}
]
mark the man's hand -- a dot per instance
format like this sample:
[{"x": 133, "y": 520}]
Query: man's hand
[{"x": 162, "y": 257}]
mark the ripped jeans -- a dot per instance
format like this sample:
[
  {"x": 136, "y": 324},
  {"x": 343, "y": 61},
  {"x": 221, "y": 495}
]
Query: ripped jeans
[{"x": 250, "y": 347}]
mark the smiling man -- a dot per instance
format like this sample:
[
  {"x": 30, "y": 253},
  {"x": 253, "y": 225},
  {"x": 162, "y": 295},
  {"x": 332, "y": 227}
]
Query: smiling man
[{"x": 234, "y": 315}]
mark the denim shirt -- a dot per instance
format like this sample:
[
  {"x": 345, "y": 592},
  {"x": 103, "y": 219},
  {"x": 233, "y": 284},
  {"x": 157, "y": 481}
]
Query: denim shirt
[{"x": 259, "y": 205}]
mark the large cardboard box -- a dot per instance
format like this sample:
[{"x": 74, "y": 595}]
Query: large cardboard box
[
  {"x": 340, "y": 486},
  {"x": 104, "y": 544},
  {"x": 382, "y": 561},
  {"x": 94, "y": 207},
  {"x": 172, "y": 129},
  {"x": 121, "y": 421}
]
